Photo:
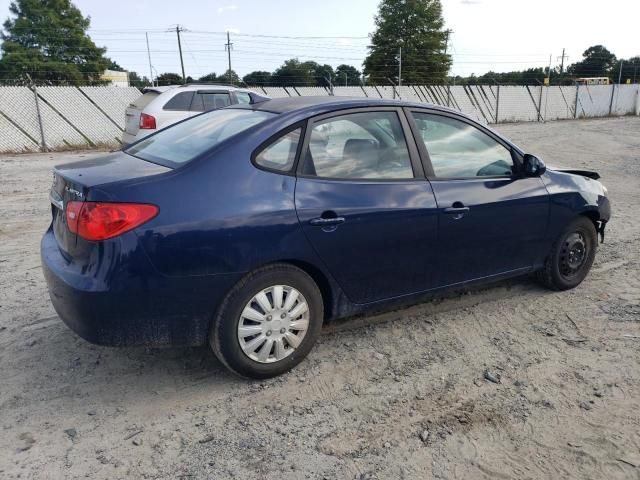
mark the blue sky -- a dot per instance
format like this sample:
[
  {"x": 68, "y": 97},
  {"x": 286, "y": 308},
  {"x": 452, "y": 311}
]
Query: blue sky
[{"x": 497, "y": 35}]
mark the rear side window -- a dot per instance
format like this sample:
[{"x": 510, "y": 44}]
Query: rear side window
[
  {"x": 186, "y": 140},
  {"x": 280, "y": 154},
  {"x": 181, "y": 101},
  {"x": 368, "y": 145},
  {"x": 243, "y": 97},
  {"x": 203, "y": 102}
]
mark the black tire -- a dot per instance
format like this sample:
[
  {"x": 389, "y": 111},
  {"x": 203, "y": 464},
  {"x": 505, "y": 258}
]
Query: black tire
[
  {"x": 566, "y": 266},
  {"x": 224, "y": 338}
]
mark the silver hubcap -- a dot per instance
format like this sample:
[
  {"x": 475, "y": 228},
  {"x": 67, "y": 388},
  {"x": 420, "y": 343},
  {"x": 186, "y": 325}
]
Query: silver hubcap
[{"x": 273, "y": 324}]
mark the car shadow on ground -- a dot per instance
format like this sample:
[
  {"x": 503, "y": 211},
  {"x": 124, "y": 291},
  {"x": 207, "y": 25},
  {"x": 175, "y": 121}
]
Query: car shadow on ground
[{"x": 78, "y": 366}]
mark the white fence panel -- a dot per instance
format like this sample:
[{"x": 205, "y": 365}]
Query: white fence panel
[
  {"x": 19, "y": 105},
  {"x": 558, "y": 103},
  {"x": 310, "y": 91},
  {"x": 594, "y": 100},
  {"x": 408, "y": 94},
  {"x": 517, "y": 104},
  {"x": 386, "y": 92},
  {"x": 112, "y": 100},
  {"x": 464, "y": 101},
  {"x": 624, "y": 99},
  {"x": 276, "y": 92},
  {"x": 82, "y": 114},
  {"x": 371, "y": 92},
  {"x": 12, "y": 139},
  {"x": 348, "y": 92}
]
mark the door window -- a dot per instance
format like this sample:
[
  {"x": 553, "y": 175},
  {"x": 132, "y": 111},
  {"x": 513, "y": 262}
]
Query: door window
[
  {"x": 368, "y": 145},
  {"x": 203, "y": 102},
  {"x": 460, "y": 150},
  {"x": 280, "y": 154}
]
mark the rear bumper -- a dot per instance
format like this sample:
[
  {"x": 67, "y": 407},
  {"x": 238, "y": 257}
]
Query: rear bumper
[{"x": 126, "y": 308}]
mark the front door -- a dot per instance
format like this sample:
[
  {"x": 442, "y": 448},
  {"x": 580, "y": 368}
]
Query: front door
[
  {"x": 492, "y": 220},
  {"x": 365, "y": 206}
]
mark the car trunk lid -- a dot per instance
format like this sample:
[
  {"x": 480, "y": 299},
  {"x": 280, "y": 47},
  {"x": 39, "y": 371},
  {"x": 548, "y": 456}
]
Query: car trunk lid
[
  {"x": 78, "y": 182},
  {"x": 133, "y": 111}
]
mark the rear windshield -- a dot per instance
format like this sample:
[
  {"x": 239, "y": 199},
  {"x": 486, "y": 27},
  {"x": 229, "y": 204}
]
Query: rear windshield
[
  {"x": 144, "y": 100},
  {"x": 184, "y": 141}
]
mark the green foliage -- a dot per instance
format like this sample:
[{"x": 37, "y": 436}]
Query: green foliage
[
  {"x": 597, "y": 61},
  {"x": 47, "y": 40},
  {"x": 136, "y": 81},
  {"x": 418, "y": 27},
  {"x": 224, "y": 78},
  {"x": 347, "y": 74},
  {"x": 169, "y": 79},
  {"x": 258, "y": 77}
]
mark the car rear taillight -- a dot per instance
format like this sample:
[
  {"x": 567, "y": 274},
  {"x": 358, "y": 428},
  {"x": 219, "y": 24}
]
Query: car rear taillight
[
  {"x": 147, "y": 121},
  {"x": 102, "y": 220}
]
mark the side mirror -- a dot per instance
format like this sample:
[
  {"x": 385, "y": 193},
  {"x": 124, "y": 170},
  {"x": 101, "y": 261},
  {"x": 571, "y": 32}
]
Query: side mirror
[{"x": 533, "y": 166}]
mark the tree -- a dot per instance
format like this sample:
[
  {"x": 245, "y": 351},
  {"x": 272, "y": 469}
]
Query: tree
[
  {"x": 209, "y": 77},
  {"x": 169, "y": 79},
  {"x": 47, "y": 40},
  {"x": 418, "y": 27},
  {"x": 597, "y": 61},
  {"x": 259, "y": 77},
  {"x": 113, "y": 65},
  {"x": 347, "y": 74},
  {"x": 321, "y": 74},
  {"x": 293, "y": 72},
  {"x": 136, "y": 81}
]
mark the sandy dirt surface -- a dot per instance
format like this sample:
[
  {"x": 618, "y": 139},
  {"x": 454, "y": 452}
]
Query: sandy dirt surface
[{"x": 399, "y": 396}]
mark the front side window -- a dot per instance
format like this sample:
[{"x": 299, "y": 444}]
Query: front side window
[
  {"x": 368, "y": 145},
  {"x": 181, "y": 101},
  {"x": 460, "y": 150},
  {"x": 280, "y": 154},
  {"x": 186, "y": 140}
]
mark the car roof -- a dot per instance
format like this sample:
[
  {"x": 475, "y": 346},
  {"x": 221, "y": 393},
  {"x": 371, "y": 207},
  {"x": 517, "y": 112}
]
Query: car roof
[
  {"x": 329, "y": 103},
  {"x": 196, "y": 86}
]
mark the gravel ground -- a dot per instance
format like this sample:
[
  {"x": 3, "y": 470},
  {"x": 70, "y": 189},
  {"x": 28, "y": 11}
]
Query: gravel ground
[{"x": 408, "y": 394}]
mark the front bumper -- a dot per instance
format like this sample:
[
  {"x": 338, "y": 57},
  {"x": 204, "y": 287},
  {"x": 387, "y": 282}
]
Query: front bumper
[{"x": 126, "y": 309}]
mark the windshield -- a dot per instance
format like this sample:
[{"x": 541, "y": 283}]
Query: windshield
[{"x": 183, "y": 142}]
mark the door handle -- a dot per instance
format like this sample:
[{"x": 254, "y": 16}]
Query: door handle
[
  {"x": 326, "y": 222},
  {"x": 456, "y": 210}
]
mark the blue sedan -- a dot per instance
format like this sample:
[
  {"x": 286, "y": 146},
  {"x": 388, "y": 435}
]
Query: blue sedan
[{"x": 246, "y": 228}]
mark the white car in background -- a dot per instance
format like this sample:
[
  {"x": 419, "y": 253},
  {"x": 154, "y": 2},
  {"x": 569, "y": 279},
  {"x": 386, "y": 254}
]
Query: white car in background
[{"x": 159, "y": 107}]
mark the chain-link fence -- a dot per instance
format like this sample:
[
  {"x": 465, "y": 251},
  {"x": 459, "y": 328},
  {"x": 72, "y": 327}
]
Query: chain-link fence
[{"x": 64, "y": 117}]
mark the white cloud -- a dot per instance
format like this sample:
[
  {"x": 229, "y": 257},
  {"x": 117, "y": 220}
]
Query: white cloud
[{"x": 227, "y": 8}]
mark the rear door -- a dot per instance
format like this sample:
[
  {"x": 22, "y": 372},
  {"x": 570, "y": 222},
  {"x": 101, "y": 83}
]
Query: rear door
[
  {"x": 364, "y": 204},
  {"x": 492, "y": 220}
]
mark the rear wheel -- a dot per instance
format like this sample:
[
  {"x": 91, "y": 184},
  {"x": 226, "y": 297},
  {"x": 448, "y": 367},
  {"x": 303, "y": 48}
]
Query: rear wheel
[
  {"x": 268, "y": 322},
  {"x": 571, "y": 256}
]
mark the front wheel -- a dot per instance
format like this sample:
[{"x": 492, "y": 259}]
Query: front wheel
[
  {"x": 268, "y": 323},
  {"x": 571, "y": 256}
]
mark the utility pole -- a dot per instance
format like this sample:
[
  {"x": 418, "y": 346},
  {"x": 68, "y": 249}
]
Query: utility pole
[
  {"x": 620, "y": 73},
  {"x": 399, "y": 67},
  {"x": 178, "y": 30},
  {"x": 228, "y": 46},
  {"x": 149, "y": 56},
  {"x": 562, "y": 61}
]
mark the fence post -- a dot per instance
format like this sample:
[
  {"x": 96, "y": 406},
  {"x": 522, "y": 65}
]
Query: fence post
[
  {"x": 448, "y": 95},
  {"x": 497, "y": 103},
  {"x": 43, "y": 146},
  {"x": 575, "y": 108},
  {"x": 540, "y": 104},
  {"x": 613, "y": 90},
  {"x": 638, "y": 100}
]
